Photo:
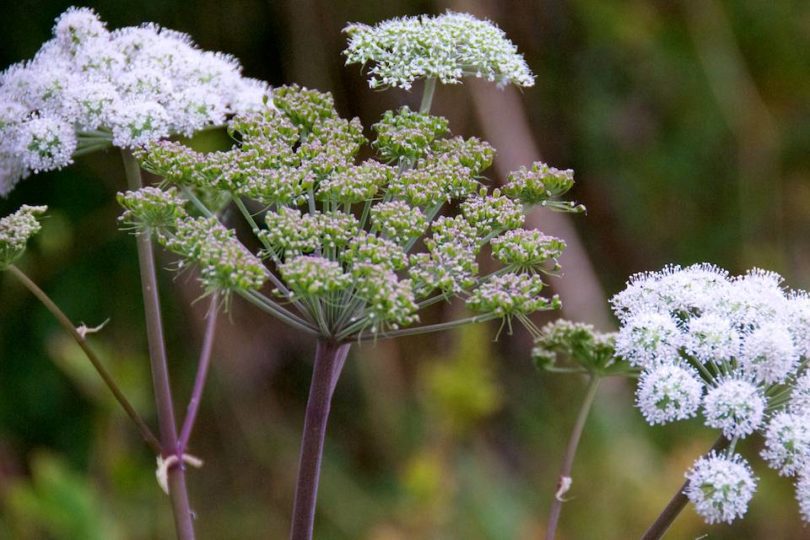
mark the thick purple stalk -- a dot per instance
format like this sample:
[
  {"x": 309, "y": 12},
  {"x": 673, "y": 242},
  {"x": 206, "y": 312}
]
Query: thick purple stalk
[
  {"x": 329, "y": 359},
  {"x": 677, "y": 503},
  {"x": 178, "y": 493},
  {"x": 202, "y": 373}
]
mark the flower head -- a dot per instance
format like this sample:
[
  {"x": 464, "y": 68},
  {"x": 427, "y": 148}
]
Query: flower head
[
  {"x": 225, "y": 264},
  {"x": 46, "y": 143},
  {"x": 669, "y": 392},
  {"x": 88, "y": 87},
  {"x": 649, "y": 338},
  {"x": 769, "y": 354},
  {"x": 592, "y": 350},
  {"x": 511, "y": 294},
  {"x": 15, "y": 230},
  {"x": 743, "y": 340},
  {"x": 720, "y": 487},
  {"x": 735, "y": 406},
  {"x": 787, "y": 443},
  {"x": 351, "y": 246},
  {"x": 77, "y": 26},
  {"x": 447, "y": 47},
  {"x": 151, "y": 208},
  {"x": 527, "y": 249}
]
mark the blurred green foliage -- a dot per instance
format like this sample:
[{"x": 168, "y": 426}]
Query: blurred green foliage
[{"x": 688, "y": 125}]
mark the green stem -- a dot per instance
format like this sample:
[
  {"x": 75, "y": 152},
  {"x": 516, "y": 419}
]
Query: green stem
[
  {"x": 90, "y": 148},
  {"x": 63, "y": 320},
  {"x": 427, "y": 95},
  {"x": 433, "y": 300},
  {"x": 267, "y": 305},
  {"x": 255, "y": 228},
  {"x": 183, "y": 517},
  {"x": 197, "y": 203},
  {"x": 412, "y": 331},
  {"x": 564, "y": 479}
]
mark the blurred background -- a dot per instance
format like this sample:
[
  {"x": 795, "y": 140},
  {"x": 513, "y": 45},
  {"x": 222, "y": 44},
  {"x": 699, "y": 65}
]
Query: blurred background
[{"x": 688, "y": 126}]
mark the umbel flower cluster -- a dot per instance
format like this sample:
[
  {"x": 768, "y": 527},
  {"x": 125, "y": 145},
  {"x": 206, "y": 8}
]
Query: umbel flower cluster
[
  {"x": 734, "y": 349},
  {"x": 568, "y": 347},
  {"x": 89, "y": 87},
  {"x": 447, "y": 47},
  {"x": 15, "y": 230},
  {"x": 352, "y": 249}
]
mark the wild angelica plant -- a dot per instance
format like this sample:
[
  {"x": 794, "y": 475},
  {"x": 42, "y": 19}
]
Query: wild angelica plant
[
  {"x": 340, "y": 240},
  {"x": 353, "y": 251},
  {"x": 735, "y": 349}
]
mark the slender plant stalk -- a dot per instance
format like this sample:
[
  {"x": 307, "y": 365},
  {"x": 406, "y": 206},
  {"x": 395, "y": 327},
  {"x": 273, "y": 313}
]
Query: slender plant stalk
[
  {"x": 426, "y": 329},
  {"x": 570, "y": 453},
  {"x": 178, "y": 492},
  {"x": 677, "y": 503},
  {"x": 427, "y": 95},
  {"x": 329, "y": 359},
  {"x": 202, "y": 374},
  {"x": 63, "y": 320}
]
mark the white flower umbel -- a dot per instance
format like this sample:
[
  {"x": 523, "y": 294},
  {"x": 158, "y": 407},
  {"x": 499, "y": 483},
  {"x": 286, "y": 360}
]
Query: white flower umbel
[
  {"x": 88, "y": 88},
  {"x": 769, "y": 354},
  {"x": 681, "y": 291},
  {"x": 799, "y": 321},
  {"x": 668, "y": 392},
  {"x": 787, "y": 443},
  {"x": 46, "y": 143},
  {"x": 446, "y": 47},
  {"x": 711, "y": 337},
  {"x": 720, "y": 487},
  {"x": 746, "y": 340},
  {"x": 648, "y": 338},
  {"x": 735, "y": 406}
]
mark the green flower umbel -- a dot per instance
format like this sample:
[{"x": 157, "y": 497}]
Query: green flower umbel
[{"x": 352, "y": 248}]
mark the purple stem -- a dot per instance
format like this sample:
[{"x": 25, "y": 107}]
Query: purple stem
[
  {"x": 202, "y": 373},
  {"x": 183, "y": 518},
  {"x": 329, "y": 359}
]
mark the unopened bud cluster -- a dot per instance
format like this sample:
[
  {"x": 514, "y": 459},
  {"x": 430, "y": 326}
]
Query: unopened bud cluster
[
  {"x": 342, "y": 236},
  {"x": 15, "y": 230},
  {"x": 564, "y": 342}
]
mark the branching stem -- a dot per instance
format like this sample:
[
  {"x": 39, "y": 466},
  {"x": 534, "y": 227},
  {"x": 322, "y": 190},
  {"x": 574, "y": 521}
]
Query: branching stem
[
  {"x": 181, "y": 507},
  {"x": 63, "y": 320},
  {"x": 202, "y": 373}
]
